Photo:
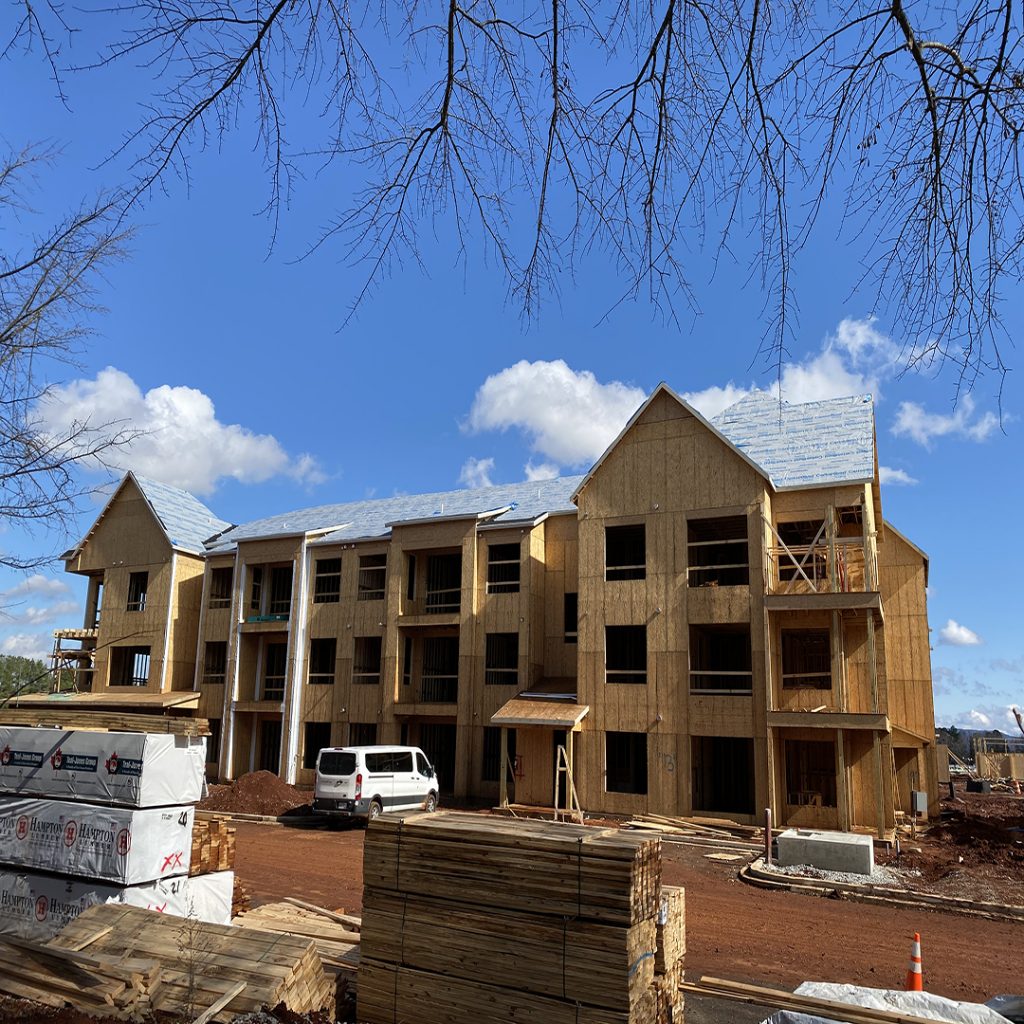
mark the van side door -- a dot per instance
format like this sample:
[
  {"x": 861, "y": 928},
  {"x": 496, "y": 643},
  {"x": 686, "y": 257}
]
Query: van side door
[
  {"x": 380, "y": 778},
  {"x": 407, "y": 780}
]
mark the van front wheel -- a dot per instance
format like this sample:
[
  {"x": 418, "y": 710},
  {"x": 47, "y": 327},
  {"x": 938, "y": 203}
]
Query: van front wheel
[
  {"x": 431, "y": 805},
  {"x": 375, "y": 810}
]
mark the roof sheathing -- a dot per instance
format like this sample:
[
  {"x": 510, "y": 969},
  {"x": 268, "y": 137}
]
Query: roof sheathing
[
  {"x": 185, "y": 521},
  {"x": 374, "y": 518},
  {"x": 810, "y": 444}
]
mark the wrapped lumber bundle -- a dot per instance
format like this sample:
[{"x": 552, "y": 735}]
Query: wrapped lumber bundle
[
  {"x": 213, "y": 847},
  {"x": 474, "y": 919},
  {"x": 116, "y": 844},
  {"x": 37, "y": 906},
  {"x": 127, "y": 768}
]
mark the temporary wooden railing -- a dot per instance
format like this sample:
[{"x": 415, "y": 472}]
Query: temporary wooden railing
[{"x": 818, "y": 568}]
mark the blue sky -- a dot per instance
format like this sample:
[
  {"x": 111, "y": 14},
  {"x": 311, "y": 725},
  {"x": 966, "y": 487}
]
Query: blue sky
[{"x": 255, "y": 398}]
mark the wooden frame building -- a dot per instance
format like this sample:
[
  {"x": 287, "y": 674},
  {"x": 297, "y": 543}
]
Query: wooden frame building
[{"x": 715, "y": 619}]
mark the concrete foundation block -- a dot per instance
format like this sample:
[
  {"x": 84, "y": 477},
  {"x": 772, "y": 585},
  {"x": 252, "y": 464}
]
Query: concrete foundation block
[{"x": 828, "y": 851}]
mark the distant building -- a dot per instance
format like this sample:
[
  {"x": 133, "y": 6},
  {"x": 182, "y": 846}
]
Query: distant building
[{"x": 714, "y": 620}]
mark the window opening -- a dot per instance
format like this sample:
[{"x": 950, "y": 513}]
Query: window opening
[
  {"x": 503, "y": 567},
  {"x": 717, "y": 552},
  {"x": 625, "y": 552},
  {"x": 501, "y": 661},
  {"x": 625, "y": 654}
]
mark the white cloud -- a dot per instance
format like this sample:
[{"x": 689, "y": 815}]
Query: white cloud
[
  {"x": 540, "y": 470},
  {"x": 915, "y": 422},
  {"x": 958, "y": 636},
  {"x": 853, "y": 361},
  {"x": 476, "y": 472},
  {"x": 28, "y": 645},
  {"x": 987, "y": 716},
  {"x": 32, "y": 616},
  {"x": 36, "y": 585},
  {"x": 888, "y": 475},
  {"x": 569, "y": 416},
  {"x": 182, "y": 441}
]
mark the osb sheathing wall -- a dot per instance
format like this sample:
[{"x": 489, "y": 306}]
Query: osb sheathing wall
[
  {"x": 128, "y": 538},
  {"x": 907, "y": 659},
  {"x": 667, "y": 466}
]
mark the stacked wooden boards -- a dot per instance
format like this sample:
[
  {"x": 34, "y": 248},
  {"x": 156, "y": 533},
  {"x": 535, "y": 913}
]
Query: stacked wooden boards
[
  {"x": 200, "y": 964},
  {"x": 213, "y": 847},
  {"x": 103, "y": 985},
  {"x": 335, "y": 934},
  {"x": 670, "y": 955},
  {"x": 478, "y": 919}
]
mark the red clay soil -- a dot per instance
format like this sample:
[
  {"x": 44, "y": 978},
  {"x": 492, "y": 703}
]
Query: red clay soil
[
  {"x": 256, "y": 793},
  {"x": 733, "y": 930},
  {"x": 974, "y": 851}
]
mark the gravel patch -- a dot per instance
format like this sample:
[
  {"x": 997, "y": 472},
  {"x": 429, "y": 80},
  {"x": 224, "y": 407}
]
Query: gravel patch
[{"x": 880, "y": 876}]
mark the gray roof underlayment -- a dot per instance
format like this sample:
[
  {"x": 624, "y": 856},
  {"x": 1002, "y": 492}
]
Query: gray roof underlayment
[
  {"x": 359, "y": 520},
  {"x": 187, "y": 522},
  {"x": 804, "y": 445}
]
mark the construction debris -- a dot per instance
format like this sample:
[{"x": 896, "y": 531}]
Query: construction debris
[{"x": 537, "y": 921}]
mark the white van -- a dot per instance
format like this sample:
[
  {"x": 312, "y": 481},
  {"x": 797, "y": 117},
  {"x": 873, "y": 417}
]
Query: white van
[{"x": 362, "y": 782}]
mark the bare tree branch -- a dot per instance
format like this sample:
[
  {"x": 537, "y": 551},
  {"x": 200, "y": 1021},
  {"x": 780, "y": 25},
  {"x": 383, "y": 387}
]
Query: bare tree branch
[
  {"x": 538, "y": 133},
  {"x": 47, "y": 304}
]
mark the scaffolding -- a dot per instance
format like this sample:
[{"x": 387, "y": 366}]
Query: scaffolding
[{"x": 71, "y": 667}]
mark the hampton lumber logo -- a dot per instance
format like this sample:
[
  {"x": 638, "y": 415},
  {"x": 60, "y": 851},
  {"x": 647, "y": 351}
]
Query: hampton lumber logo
[
  {"x": 20, "y": 758},
  {"x": 61, "y": 762},
  {"x": 123, "y": 765}
]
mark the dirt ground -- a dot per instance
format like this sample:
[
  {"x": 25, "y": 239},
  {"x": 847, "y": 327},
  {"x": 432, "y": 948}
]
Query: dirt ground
[
  {"x": 975, "y": 851},
  {"x": 733, "y": 930}
]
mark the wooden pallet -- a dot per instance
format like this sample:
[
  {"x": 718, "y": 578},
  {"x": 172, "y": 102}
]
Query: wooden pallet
[
  {"x": 213, "y": 847},
  {"x": 104, "y": 721},
  {"x": 201, "y": 965}
]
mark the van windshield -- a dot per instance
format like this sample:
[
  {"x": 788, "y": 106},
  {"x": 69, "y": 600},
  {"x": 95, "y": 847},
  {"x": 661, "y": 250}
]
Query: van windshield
[{"x": 337, "y": 762}]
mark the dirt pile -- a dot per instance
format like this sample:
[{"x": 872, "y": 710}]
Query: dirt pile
[{"x": 256, "y": 793}]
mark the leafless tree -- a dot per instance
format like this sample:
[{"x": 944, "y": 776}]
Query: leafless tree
[
  {"x": 47, "y": 303},
  {"x": 546, "y": 129}
]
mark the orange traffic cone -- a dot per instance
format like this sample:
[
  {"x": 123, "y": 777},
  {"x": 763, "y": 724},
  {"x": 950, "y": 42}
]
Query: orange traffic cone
[{"x": 915, "y": 979}]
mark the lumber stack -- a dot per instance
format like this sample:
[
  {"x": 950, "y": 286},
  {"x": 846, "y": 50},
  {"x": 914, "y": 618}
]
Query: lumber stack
[
  {"x": 553, "y": 868},
  {"x": 669, "y": 955},
  {"x": 474, "y": 919},
  {"x": 241, "y": 899},
  {"x": 336, "y": 935},
  {"x": 111, "y": 986},
  {"x": 213, "y": 847},
  {"x": 200, "y": 964}
]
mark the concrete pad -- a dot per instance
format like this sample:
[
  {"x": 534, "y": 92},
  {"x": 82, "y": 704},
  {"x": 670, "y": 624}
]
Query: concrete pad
[{"x": 829, "y": 851}]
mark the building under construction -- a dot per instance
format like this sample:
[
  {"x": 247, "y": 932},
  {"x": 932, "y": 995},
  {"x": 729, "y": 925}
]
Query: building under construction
[{"x": 715, "y": 619}]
